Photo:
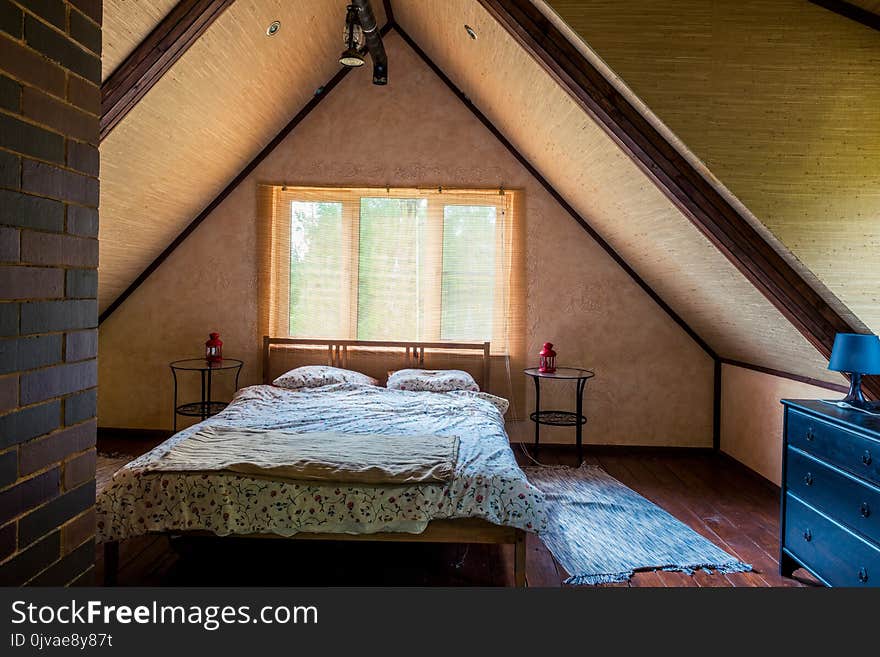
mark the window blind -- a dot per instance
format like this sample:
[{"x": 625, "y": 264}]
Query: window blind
[{"x": 428, "y": 265}]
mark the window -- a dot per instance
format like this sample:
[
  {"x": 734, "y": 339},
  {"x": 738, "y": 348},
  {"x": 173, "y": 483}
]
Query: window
[{"x": 396, "y": 264}]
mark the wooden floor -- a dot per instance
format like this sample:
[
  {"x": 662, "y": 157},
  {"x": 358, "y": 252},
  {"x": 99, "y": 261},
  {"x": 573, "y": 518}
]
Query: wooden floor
[{"x": 717, "y": 497}]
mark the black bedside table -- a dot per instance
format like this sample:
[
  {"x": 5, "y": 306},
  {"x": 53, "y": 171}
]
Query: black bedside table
[
  {"x": 206, "y": 407},
  {"x": 561, "y": 418}
]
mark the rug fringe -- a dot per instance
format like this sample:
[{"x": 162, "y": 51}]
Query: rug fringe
[{"x": 625, "y": 576}]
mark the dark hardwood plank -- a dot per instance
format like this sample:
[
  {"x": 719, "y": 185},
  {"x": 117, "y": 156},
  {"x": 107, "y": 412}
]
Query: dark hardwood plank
[
  {"x": 631, "y": 473},
  {"x": 718, "y": 498}
]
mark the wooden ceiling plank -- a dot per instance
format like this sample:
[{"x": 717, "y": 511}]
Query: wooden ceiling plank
[
  {"x": 713, "y": 215},
  {"x": 853, "y": 11},
  {"x": 554, "y": 193},
  {"x": 150, "y": 60},
  {"x": 320, "y": 94}
]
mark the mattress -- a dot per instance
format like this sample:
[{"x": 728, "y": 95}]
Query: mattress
[{"x": 486, "y": 483}]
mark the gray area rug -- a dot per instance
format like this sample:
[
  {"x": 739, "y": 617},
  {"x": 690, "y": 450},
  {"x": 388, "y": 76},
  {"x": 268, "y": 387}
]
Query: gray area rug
[{"x": 603, "y": 532}]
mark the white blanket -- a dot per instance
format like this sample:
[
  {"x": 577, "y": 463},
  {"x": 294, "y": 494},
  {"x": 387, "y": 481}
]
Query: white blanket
[
  {"x": 487, "y": 483},
  {"x": 337, "y": 458}
]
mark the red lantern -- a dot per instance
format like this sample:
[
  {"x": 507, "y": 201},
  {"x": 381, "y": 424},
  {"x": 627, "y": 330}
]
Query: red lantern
[
  {"x": 547, "y": 359},
  {"x": 214, "y": 348}
]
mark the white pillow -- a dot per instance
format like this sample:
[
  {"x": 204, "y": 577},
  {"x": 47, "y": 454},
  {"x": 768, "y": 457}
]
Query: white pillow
[
  {"x": 314, "y": 376},
  {"x": 432, "y": 380}
]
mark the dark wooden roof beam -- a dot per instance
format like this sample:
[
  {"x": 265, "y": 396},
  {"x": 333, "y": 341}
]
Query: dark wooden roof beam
[
  {"x": 710, "y": 211},
  {"x": 145, "y": 66}
]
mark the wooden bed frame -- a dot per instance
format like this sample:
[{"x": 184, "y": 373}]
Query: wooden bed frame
[{"x": 458, "y": 530}]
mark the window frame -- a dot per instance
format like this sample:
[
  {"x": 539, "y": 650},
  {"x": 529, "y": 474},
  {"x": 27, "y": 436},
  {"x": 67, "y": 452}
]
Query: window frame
[{"x": 351, "y": 198}]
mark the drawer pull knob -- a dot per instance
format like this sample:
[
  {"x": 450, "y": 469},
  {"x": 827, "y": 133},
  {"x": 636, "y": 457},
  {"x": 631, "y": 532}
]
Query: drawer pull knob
[
  {"x": 808, "y": 479},
  {"x": 866, "y": 510},
  {"x": 810, "y": 434},
  {"x": 866, "y": 458},
  {"x": 863, "y": 575},
  {"x": 808, "y": 535}
]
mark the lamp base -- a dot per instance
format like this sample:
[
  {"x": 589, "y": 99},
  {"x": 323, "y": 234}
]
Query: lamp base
[{"x": 855, "y": 398}]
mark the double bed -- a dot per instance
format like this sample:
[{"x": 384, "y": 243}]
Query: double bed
[{"x": 487, "y": 499}]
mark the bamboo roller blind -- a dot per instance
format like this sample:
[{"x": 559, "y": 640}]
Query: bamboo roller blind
[{"x": 428, "y": 265}]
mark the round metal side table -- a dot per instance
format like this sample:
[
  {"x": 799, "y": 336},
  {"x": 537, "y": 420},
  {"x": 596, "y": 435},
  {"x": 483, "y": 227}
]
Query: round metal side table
[
  {"x": 206, "y": 407},
  {"x": 575, "y": 419}
]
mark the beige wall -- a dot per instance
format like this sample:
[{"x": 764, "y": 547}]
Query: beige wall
[
  {"x": 780, "y": 100},
  {"x": 653, "y": 384},
  {"x": 751, "y": 416}
]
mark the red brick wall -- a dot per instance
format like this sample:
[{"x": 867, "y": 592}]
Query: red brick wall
[{"x": 50, "y": 101}]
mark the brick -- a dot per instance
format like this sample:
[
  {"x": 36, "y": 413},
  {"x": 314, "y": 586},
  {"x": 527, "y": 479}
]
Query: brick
[
  {"x": 9, "y": 319},
  {"x": 82, "y": 221},
  {"x": 85, "y": 32},
  {"x": 31, "y": 283},
  {"x": 84, "y": 94},
  {"x": 81, "y": 345},
  {"x": 10, "y": 170},
  {"x": 48, "y": 180},
  {"x": 30, "y": 139},
  {"x": 28, "y": 423},
  {"x": 7, "y": 540},
  {"x": 58, "y": 115},
  {"x": 17, "y": 209},
  {"x": 10, "y": 94},
  {"x": 8, "y": 393},
  {"x": 54, "y": 249},
  {"x": 83, "y": 157},
  {"x": 50, "y": 516},
  {"x": 78, "y": 530},
  {"x": 28, "y": 494},
  {"x": 81, "y": 407},
  {"x": 82, "y": 284},
  {"x": 28, "y": 66},
  {"x": 69, "y": 568},
  {"x": 31, "y": 561},
  {"x": 48, "y": 316},
  {"x": 8, "y": 467},
  {"x": 11, "y": 19},
  {"x": 80, "y": 469},
  {"x": 61, "y": 49},
  {"x": 10, "y": 240},
  {"x": 59, "y": 380},
  {"x": 37, "y": 454},
  {"x": 19, "y": 354},
  {"x": 51, "y": 10},
  {"x": 91, "y": 8}
]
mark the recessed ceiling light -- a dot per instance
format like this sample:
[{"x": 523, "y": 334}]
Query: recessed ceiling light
[
  {"x": 272, "y": 30},
  {"x": 470, "y": 31}
]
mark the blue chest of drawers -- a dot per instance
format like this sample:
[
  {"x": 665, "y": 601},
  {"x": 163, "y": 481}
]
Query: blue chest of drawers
[{"x": 830, "y": 518}]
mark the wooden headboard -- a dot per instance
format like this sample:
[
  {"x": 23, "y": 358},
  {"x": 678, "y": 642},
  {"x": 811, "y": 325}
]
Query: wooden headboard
[{"x": 375, "y": 357}]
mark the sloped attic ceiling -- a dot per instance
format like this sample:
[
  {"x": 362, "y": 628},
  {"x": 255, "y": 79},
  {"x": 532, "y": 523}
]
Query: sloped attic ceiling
[
  {"x": 235, "y": 88},
  {"x": 607, "y": 188},
  {"x": 207, "y": 117},
  {"x": 126, "y": 24}
]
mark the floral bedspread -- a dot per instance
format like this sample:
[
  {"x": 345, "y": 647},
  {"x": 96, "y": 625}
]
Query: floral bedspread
[{"x": 487, "y": 482}]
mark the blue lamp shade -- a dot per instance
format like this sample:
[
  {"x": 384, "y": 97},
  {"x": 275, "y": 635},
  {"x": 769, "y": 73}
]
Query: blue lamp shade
[{"x": 855, "y": 353}]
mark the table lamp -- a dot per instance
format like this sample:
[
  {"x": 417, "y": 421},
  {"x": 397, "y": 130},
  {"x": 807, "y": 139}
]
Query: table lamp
[{"x": 856, "y": 354}]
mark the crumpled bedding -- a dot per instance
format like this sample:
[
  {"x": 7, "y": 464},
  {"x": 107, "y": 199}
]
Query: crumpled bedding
[
  {"x": 327, "y": 456},
  {"x": 487, "y": 483}
]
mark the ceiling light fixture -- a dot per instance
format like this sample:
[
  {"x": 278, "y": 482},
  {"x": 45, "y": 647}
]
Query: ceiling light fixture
[
  {"x": 354, "y": 39},
  {"x": 273, "y": 28},
  {"x": 471, "y": 33}
]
